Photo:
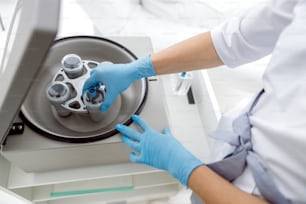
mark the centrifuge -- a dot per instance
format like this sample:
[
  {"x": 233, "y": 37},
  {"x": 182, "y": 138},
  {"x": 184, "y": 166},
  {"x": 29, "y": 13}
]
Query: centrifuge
[{"x": 47, "y": 123}]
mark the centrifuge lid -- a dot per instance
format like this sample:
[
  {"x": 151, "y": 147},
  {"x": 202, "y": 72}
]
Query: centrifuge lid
[{"x": 32, "y": 31}]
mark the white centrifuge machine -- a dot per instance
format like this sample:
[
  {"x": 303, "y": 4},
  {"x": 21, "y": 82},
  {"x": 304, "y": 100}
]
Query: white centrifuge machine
[
  {"x": 46, "y": 122},
  {"x": 56, "y": 146}
]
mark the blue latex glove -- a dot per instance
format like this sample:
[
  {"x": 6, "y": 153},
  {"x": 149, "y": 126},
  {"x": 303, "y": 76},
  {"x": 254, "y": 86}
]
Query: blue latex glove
[
  {"x": 159, "y": 150},
  {"x": 118, "y": 77}
]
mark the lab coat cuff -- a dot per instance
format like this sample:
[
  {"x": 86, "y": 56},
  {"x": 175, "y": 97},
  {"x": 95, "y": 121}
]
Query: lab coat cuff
[{"x": 221, "y": 47}]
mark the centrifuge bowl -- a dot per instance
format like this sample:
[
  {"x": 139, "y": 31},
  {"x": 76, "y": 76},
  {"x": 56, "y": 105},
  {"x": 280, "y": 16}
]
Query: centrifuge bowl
[{"x": 39, "y": 115}]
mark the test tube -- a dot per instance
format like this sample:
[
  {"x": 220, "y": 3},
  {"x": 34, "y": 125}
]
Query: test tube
[
  {"x": 58, "y": 93},
  {"x": 72, "y": 65},
  {"x": 93, "y": 99},
  {"x": 183, "y": 83}
]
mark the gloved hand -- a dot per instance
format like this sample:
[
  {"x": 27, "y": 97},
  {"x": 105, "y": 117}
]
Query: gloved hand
[
  {"x": 118, "y": 77},
  {"x": 159, "y": 150}
]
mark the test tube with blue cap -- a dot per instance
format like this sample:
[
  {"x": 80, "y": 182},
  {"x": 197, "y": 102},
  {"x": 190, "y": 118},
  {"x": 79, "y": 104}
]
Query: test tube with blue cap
[
  {"x": 93, "y": 99},
  {"x": 183, "y": 83}
]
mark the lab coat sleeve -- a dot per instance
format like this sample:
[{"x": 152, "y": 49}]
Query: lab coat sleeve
[{"x": 253, "y": 34}]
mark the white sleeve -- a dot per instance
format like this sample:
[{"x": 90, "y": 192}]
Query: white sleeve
[{"x": 254, "y": 34}]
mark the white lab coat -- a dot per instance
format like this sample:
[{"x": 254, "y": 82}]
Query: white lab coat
[{"x": 276, "y": 27}]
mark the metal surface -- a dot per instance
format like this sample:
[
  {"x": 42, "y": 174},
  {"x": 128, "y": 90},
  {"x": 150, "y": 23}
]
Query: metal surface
[
  {"x": 79, "y": 127},
  {"x": 74, "y": 80},
  {"x": 58, "y": 93},
  {"x": 74, "y": 103}
]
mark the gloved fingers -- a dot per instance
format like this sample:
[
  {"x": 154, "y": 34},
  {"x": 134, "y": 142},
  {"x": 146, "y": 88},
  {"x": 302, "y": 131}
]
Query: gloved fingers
[
  {"x": 131, "y": 143},
  {"x": 104, "y": 107},
  {"x": 140, "y": 122},
  {"x": 90, "y": 82},
  {"x": 108, "y": 100},
  {"x": 92, "y": 72},
  {"x": 129, "y": 132},
  {"x": 166, "y": 131},
  {"x": 135, "y": 158}
]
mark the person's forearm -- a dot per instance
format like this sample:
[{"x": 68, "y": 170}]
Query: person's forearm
[
  {"x": 194, "y": 53},
  {"x": 212, "y": 188}
]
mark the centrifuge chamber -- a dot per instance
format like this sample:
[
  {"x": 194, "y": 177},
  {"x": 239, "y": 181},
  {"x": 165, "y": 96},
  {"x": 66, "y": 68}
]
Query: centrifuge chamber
[
  {"x": 48, "y": 142},
  {"x": 38, "y": 114}
]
